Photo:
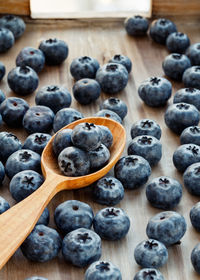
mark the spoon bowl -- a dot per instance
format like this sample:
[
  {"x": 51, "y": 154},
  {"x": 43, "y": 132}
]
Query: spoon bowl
[{"x": 17, "y": 222}]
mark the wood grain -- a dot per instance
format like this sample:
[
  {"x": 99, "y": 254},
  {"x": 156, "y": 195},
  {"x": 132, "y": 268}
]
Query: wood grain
[
  {"x": 17, "y": 7},
  {"x": 103, "y": 40}
]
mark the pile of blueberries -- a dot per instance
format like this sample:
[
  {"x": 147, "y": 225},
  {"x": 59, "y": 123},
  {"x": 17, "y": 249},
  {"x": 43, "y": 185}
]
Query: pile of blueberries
[{"x": 90, "y": 144}]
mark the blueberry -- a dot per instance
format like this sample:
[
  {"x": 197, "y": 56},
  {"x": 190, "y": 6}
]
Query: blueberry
[
  {"x": 136, "y": 25},
  {"x": 108, "y": 191},
  {"x": 64, "y": 117},
  {"x": 175, "y": 64},
  {"x": 151, "y": 254},
  {"x": 36, "y": 278},
  {"x": 84, "y": 67},
  {"x": 9, "y": 144},
  {"x": 54, "y": 97},
  {"x": 6, "y": 39},
  {"x": 62, "y": 140},
  {"x": 107, "y": 138},
  {"x": 2, "y": 172},
  {"x": 86, "y": 136},
  {"x": 31, "y": 57},
  {"x": 181, "y": 115},
  {"x": 44, "y": 218},
  {"x": 81, "y": 247},
  {"x": 25, "y": 183},
  {"x": 164, "y": 192},
  {"x": 4, "y": 205},
  {"x": 109, "y": 114},
  {"x": 22, "y": 160},
  {"x": 132, "y": 171},
  {"x": 147, "y": 147},
  {"x": 36, "y": 142},
  {"x": 42, "y": 245},
  {"x": 177, "y": 42},
  {"x": 73, "y": 214},
  {"x": 13, "y": 110},
  {"x": 148, "y": 274},
  {"x": 86, "y": 91},
  {"x": 116, "y": 105},
  {"x": 73, "y": 162},
  {"x": 193, "y": 52},
  {"x": 191, "y": 77},
  {"x": 2, "y": 96},
  {"x": 160, "y": 30},
  {"x": 38, "y": 119},
  {"x": 195, "y": 258},
  {"x": 188, "y": 95},
  {"x": 191, "y": 135},
  {"x": 14, "y": 24},
  {"x": 146, "y": 127},
  {"x": 195, "y": 216},
  {"x": 99, "y": 157},
  {"x": 155, "y": 91},
  {"x": 23, "y": 80},
  {"x": 123, "y": 60},
  {"x": 2, "y": 71},
  {"x": 112, "y": 77},
  {"x": 167, "y": 227},
  {"x": 111, "y": 223},
  {"x": 55, "y": 51},
  {"x": 185, "y": 155},
  {"x": 101, "y": 270},
  {"x": 191, "y": 178}
]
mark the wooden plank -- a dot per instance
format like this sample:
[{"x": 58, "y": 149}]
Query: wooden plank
[
  {"x": 176, "y": 7},
  {"x": 21, "y": 7},
  {"x": 102, "y": 41}
]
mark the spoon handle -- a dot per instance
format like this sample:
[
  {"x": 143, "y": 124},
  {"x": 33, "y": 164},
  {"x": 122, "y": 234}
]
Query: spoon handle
[{"x": 17, "y": 222}]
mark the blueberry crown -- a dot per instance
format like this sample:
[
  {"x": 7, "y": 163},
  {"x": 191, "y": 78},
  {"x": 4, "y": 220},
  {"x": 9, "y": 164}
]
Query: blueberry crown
[
  {"x": 28, "y": 181},
  {"x": 155, "y": 81},
  {"x": 10, "y": 135},
  {"x": 139, "y": 17},
  {"x": 108, "y": 183},
  {"x": 67, "y": 166},
  {"x": 193, "y": 149},
  {"x": 89, "y": 126},
  {"x": 179, "y": 34},
  {"x": 163, "y": 21},
  {"x": 113, "y": 100},
  {"x": 9, "y": 17},
  {"x": 190, "y": 90},
  {"x": 103, "y": 266},
  {"x": 198, "y": 46},
  {"x": 150, "y": 244},
  {"x": 195, "y": 129},
  {"x": 40, "y": 139},
  {"x": 52, "y": 88},
  {"x": 144, "y": 140},
  {"x": 177, "y": 56},
  {"x": 25, "y": 156},
  {"x": 197, "y": 170},
  {"x": 110, "y": 212},
  {"x": 146, "y": 123},
  {"x": 197, "y": 69},
  {"x": 117, "y": 57},
  {"x": 163, "y": 181},
  {"x": 130, "y": 161},
  {"x": 84, "y": 59},
  {"x": 24, "y": 69},
  {"x": 148, "y": 274},
  {"x": 83, "y": 237},
  {"x": 111, "y": 67},
  {"x": 182, "y": 106},
  {"x": 51, "y": 41}
]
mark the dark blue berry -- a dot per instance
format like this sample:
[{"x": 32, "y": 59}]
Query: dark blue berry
[
  {"x": 185, "y": 155},
  {"x": 55, "y": 51},
  {"x": 191, "y": 77},
  {"x": 86, "y": 91},
  {"x": 193, "y": 52},
  {"x": 195, "y": 258},
  {"x": 122, "y": 59},
  {"x": 31, "y": 57},
  {"x": 62, "y": 140},
  {"x": 116, "y": 105},
  {"x": 112, "y": 77},
  {"x": 155, "y": 91},
  {"x": 132, "y": 171},
  {"x": 13, "y": 110},
  {"x": 164, "y": 192},
  {"x": 111, "y": 223},
  {"x": 191, "y": 135},
  {"x": 54, "y": 97},
  {"x": 14, "y": 24},
  {"x": 175, "y": 64},
  {"x": 177, "y": 42},
  {"x": 73, "y": 214},
  {"x": 181, "y": 115},
  {"x": 84, "y": 67},
  {"x": 195, "y": 216},
  {"x": 147, "y": 147},
  {"x": 2, "y": 96},
  {"x": 81, "y": 247},
  {"x": 136, "y": 25},
  {"x": 151, "y": 254},
  {"x": 2, "y": 172},
  {"x": 4, "y": 205},
  {"x": 188, "y": 95},
  {"x": 2, "y": 71},
  {"x": 73, "y": 162},
  {"x": 66, "y": 116},
  {"x": 99, "y": 157},
  {"x": 22, "y": 160},
  {"x": 25, "y": 183},
  {"x": 42, "y": 245},
  {"x": 36, "y": 142},
  {"x": 107, "y": 138},
  {"x": 109, "y": 114},
  {"x": 23, "y": 80},
  {"x": 167, "y": 227},
  {"x": 160, "y": 30},
  {"x": 108, "y": 191},
  {"x": 38, "y": 119},
  {"x": 146, "y": 127},
  {"x": 6, "y": 39},
  {"x": 191, "y": 178},
  {"x": 148, "y": 274},
  {"x": 44, "y": 218},
  {"x": 9, "y": 144}
]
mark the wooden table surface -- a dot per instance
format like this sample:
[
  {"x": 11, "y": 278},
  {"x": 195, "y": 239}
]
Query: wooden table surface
[{"x": 102, "y": 41}]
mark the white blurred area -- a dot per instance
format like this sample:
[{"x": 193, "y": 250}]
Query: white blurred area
[{"x": 58, "y": 8}]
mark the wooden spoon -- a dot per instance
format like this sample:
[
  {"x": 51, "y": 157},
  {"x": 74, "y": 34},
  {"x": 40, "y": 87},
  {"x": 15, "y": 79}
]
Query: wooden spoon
[{"x": 17, "y": 222}]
